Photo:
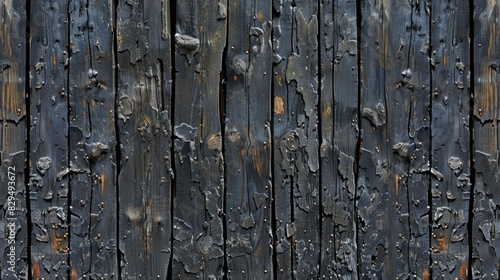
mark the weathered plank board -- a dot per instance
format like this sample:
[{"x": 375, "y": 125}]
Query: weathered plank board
[
  {"x": 14, "y": 243},
  {"x": 485, "y": 49},
  {"x": 248, "y": 141},
  {"x": 394, "y": 164},
  {"x": 450, "y": 188},
  {"x": 92, "y": 140},
  {"x": 234, "y": 139},
  {"x": 296, "y": 162},
  {"x": 284, "y": 227},
  {"x": 144, "y": 132},
  {"x": 339, "y": 133},
  {"x": 198, "y": 245},
  {"x": 49, "y": 164}
]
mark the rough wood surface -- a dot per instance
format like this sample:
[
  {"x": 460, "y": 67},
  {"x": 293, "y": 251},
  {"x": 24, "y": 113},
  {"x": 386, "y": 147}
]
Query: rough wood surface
[
  {"x": 14, "y": 243},
  {"x": 276, "y": 139},
  {"x": 247, "y": 142},
  {"x": 450, "y": 186},
  {"x": 296, "y": 139},
  {"x": 394, "y": 160},
  {"x": 283, "y": 223},
  {"x": 143, "y": 114},
  {"x": 485, "y": 50},
  {"x": 339, "y": 133},
  {"x": 200, "y": 38},
  {"x": 49, "y": 164},
  {"x": 92, "y": 140}
]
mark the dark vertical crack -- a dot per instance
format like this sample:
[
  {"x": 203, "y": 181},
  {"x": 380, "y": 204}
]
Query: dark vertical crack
[
  {"x": 173, "y": 18},
  {"x": 27, "y": 89},
  {"x": 359, "y": 140},
  {"x": 320, "y": 136},
  {"x": 431, "y": 153},
  {"x": 68, "y": 143},
  {"x": 222, "y": 115},
  {"x": 407, "y": 177},
  {"x": 471, "y": 137},
  {"x": 274, "y": 225},
  {"x": 117, "y": 147}
]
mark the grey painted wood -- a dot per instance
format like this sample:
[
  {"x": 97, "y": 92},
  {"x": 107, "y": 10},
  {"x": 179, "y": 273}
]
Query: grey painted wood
[
  {"x": 200, "y": 38},
  {"x": 247, "y": 141},
  {"x": 13, "y": 142},
  {"x": 49, "y": 162},
  {"x": 283, "y": 225},
  {"x": 394, "y": 159},
  {"x": 143, "y": 113},
  {"x": 92, "y": 138},
  {"x": 485, "y": 48},
  {"x": 450, "y": 127},
  {"x": 339, "y": 133}
]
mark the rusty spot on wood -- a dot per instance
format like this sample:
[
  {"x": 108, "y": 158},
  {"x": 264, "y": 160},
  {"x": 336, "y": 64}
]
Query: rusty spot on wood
[
  {"x": 280, "y": 79},
  {"x": 35, "y": 270},
  {"x": 235, "y": 78},
  {"x": 279, "y": 105},
  {"x": 103, "y": 176},
  {"x": 425, "y": 275},
  {"x": 463, "y": 270},
  {"x": 214, "y": 142},
  {"x": 257, "y": 161},
  {"x": 260, "y": 16},
  {"x": 443, "y": 243},
  {"x": 396, "y": 181},
  {"x": 73, "y": 274},
  {"x": 56, "y": 243},
  {"x": 444, "y": 60}
]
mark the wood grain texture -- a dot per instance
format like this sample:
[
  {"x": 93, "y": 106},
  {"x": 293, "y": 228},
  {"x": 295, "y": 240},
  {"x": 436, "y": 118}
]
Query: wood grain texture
[
  {"x": 13, "y": 142},
  {"x": 49, "y": 163},
  {"x": 92, "y": 139},
  {"x": 296, "y": 138},
  {"x": 143, "y": 114},
  {"x": 198, "y": 245},
  {"x": 339, "y": 132},
  {"x": 248, "y": 140},
  {"x": 394, "y": 164},
  {"x": 450, "y": 189},
  {"x": 283, "y": 220},
  {"x": 485, "y": 50}
]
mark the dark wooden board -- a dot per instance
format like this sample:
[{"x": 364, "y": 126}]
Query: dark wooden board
[
  {"x": 49, "y": 163},
  {"x": 92, "y": 139},
  {"x": 247, "y": 142},
  {"x": 200, "y": 38},
  {"x": 339, "y": 133},
  {"x": 450, "y": 190},
  {"x": 143, "y": 114},
  {"x": 284, "y": 228},
  {"x": 14, "y": 243},
  {"x": 394, "y": 166},
  {"x": 296, "y": 158},
  {"x": 485, "y": 49}
]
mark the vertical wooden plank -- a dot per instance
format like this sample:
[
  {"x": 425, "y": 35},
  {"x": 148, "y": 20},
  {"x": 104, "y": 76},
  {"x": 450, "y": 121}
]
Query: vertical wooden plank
[
  {"x": 339, "y": 131},
  {"x": 13, "y": 141},
  {"x": 282, "y": 47},
  {"x": 296, "y": 135},
  {"x": 485, "y": 49},
  {"x": 450, "y": 189},
  {"x": 144, "y": 133},
  {"x": 49, "y": 165},
  {"x": 394, "y": 166},
  {"x": 248, "y": 140},
  {"x": 92, "y": 140},
  {"x": 198, "y": 245}
]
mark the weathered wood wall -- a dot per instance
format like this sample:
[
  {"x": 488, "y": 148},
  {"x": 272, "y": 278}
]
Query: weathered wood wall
[{"x": 271, "y": 139}]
